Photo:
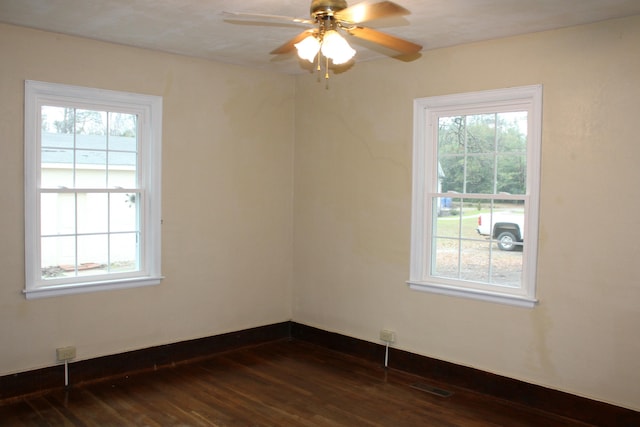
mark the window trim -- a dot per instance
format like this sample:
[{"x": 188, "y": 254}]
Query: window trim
[
  {"x": 425, "y": 111},
  {"x": 149, "y": 110}
]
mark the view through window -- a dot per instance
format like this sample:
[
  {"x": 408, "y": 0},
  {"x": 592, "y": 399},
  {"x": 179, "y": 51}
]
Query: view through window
[{"x": 88, "y": 192}]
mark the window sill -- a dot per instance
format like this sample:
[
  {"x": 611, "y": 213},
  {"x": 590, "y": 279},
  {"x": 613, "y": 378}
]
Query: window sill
[
  {"x": 80, "y": 288},
  {"x": 517, "y": 300}
]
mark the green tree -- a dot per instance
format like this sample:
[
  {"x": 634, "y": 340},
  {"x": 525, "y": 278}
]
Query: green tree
[{"x": 483, "y": 153}]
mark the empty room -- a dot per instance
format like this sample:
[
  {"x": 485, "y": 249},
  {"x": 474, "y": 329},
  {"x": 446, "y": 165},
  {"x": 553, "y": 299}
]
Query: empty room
[{"x": 205, "y": 223}]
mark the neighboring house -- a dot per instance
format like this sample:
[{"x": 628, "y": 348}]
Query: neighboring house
[{"x": 95, "y": 168}]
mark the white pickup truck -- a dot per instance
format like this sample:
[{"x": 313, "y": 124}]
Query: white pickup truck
[{"x": 508, "y": 229}]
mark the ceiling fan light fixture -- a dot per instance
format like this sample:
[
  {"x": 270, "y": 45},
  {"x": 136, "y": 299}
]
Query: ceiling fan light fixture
[
  {"x": 336, "y": 48},
  {"x": 308, "y": 48},
  {"x": 323, "y": 43}
]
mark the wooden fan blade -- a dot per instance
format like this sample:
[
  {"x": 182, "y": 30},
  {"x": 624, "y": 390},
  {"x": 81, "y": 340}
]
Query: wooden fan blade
[
  {"x": 289, "y": 45},
  {"x": 384, "y": 39},
  {"x": 363, "y": 12},
  {"x": 259, "y": 16}
]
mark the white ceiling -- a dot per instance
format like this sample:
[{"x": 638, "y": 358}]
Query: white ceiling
[{"x": 198, "y": 27}]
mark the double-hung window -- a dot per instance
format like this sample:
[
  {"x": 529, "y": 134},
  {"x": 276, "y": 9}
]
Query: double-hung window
[
  {"x": 92, "y": 189},
  {"x": 476, "y": 177}
]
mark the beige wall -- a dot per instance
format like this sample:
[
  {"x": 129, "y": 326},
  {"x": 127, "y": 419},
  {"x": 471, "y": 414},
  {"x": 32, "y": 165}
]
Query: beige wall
[
  {"x": 227, "y": 202},
  {"x": 353, "y": 204}
]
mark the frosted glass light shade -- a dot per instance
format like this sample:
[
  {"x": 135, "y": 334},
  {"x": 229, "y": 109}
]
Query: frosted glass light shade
[
  {"x": 308, "y": 48},
  {"x": 336, "y": 48}
]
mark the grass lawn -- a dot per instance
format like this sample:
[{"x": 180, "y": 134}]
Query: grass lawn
[{"x": 449, "y": 225}]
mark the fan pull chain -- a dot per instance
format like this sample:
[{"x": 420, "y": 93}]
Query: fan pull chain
[
  {"x": 326, "y": 73},
  {"x": 326, "y": 69}
]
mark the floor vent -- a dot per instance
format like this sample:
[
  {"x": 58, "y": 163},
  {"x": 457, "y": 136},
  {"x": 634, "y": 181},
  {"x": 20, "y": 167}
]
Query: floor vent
[{"x": 431, "y": 389}]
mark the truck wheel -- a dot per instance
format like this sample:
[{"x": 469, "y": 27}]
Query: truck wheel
[{"x": 507, "y": 241}]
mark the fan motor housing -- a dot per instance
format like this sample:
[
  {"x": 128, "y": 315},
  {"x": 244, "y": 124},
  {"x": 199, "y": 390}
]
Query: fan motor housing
[{"x": 321, "y": 8}]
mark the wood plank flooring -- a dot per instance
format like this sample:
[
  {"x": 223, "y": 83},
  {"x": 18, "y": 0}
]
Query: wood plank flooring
[{"x": 284, "y": 383}]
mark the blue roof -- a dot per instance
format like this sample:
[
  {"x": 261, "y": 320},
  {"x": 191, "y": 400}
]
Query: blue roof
[{"x": 89, "y": 150}]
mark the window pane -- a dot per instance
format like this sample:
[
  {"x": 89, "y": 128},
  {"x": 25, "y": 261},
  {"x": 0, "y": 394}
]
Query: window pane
[
  {"x": 451, "y": 173},
  {"x": 93, "y": 251},
  {"x": 506, "y": 268},
  {"x": 91, "y": 129},
  {"x": 475, "y": 261},
  {"x": 57, "y": 124},
  {"x": 449, "y": 219},
  {"x": 512, "y": 174},
  {"x": 58, "y": 214},
  {"x": 124, "y": 252},
  {"x": 92, "y": 212},
  {"x": 56, "y": 168},
  {"x": 91, "y": 169},
  {"x": 512, "y": 132},
  {"x": 451, "y": 135},
  {"x": 122, "y": 170},
  {"x": 480, "y": 174},
  {"x": 123, "y": 210},
  {"x": 446, "y": 258},
  {"x": 123, "y": 132},
  {"x": 444, "y": 206},
  {"x": 481, "y": 133},
  {"x": 57, "y": 257}
]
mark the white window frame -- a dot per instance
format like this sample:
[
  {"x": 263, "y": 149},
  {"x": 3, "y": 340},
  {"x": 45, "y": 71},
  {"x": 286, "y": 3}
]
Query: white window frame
[
  {"x": 425, "y": 175},
  {"x": 148, "y": 109}
]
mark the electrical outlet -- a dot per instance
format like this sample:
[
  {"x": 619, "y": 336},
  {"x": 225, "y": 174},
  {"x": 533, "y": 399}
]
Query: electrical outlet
[
  {"x": 65, "y": 353},
  {"x": 387, "y": 335}
]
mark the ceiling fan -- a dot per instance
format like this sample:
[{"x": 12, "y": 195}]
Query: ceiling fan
[{"x": 329, "y": 18}]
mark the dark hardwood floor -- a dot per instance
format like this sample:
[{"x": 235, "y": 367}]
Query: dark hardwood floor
[{"x": 284, "y": 383}]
